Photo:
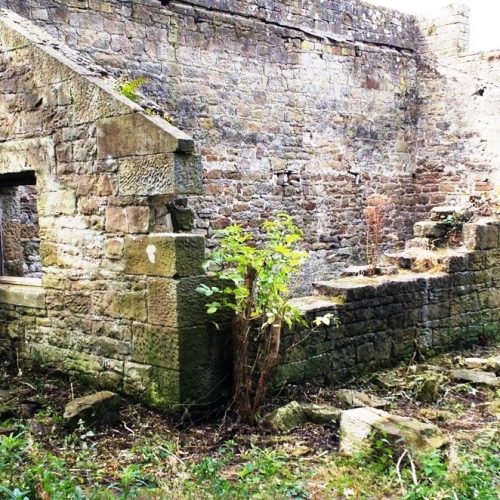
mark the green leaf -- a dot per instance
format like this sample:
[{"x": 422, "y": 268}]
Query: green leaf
[{"x": 204, "y": 290}]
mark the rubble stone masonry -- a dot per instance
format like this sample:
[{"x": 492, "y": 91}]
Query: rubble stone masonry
[{"x": 269, "y": 106}]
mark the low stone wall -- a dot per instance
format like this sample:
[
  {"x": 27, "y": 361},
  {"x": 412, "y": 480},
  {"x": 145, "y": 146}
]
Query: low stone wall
[
  {"x": 383, "y": 320},
  {"x": 22, "y": 312}
]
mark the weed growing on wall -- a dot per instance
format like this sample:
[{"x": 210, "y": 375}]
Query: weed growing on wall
[
  {"x": 374, "y": 219},
  {"x": 257, "y": 287},
  {"x": 129, "y": 88}
]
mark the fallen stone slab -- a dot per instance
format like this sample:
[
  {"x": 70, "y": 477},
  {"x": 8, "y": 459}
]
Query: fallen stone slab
[
  {"x": 97, "y": 409},
  {"x": 357, "y": 399},
  {"x": 475, "y": 377},
  {"x": 492, "y": 363},
  {"x": 360, "y": 426},
  {"x": 285, "y": 418},
  {"x": 321, "y": 414},
  {"x": 294, "y": 414}
]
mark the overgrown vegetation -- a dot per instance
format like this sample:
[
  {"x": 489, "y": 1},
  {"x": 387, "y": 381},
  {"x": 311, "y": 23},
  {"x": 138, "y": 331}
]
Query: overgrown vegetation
[
  {"x": 148, "y": 456},
  {"x": 255, "y": 277}
]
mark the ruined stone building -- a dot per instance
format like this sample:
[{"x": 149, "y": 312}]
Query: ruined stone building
[{"x": 248, "y": 109}]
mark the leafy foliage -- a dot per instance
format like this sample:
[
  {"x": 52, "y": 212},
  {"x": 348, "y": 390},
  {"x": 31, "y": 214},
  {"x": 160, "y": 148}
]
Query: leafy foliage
[
  {"x": 273, "y": 264},
  {"x": 255, "y": 279},
  {"x": 129, "y": 88}
]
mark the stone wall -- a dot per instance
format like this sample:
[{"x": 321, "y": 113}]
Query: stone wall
[
  {"x": 304, "y": 107},
  {"x": 458, "y": 155},
  {"x": 112, "y": 301}
]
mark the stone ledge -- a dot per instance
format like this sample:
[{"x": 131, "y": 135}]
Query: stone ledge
[{"x": 23, "y": 294}]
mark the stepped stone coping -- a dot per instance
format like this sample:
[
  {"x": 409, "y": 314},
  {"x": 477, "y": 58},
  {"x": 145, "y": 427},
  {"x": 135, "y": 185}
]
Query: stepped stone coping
[
  {"x": 315, "y": 303},
  {"x": 340, "y": 287},
  {"x": 21, "y": 32}
]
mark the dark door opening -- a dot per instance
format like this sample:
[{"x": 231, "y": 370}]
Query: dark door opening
[{"x": 19, "y": 228}]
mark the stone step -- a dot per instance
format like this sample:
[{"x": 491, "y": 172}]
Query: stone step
[
  {"x": 430, "y": 229},
  {"x": 423, "y": 243},
  {"x": 442, "y": 213},
  {"x": 315, "y": 303},
  {"x": 369, "y": 271},
  {"x": 345, "y": 290},
  {"x": 421, "y": 260}
]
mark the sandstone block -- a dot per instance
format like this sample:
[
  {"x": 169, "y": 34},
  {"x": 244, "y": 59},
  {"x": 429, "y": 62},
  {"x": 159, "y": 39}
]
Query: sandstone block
[
  {"x": 476, "y": 377},
  {"x": 131, "y": 219},
  {"x": 157, "y": 386},
  {"x": 357, "y": 428},
  {"x": 164, "y": 254},
  {"x": 176, "y": 303},
  {"x": 430, "y": 229},
  {"x": 113, "y": 248},
  {"x": 123, "y": 305},
  {"x": 161, "y": 174},
  {"x": 356, "y": 399},
  {"x": 95, "y": 409},
  {"x": 157, "y": 346},
  {"x": 137, "y": 134},
  {"x": 56, "y": 203},
  {"x": 19, "y": 295}
]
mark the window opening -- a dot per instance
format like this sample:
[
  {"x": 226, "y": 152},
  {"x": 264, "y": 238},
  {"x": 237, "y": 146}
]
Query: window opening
[{"x": 19, "y": 228}]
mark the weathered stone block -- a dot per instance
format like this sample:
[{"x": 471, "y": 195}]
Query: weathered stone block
[
  {"x": 21, "y": 295},
  {"x": 176, "y": 303},
  {"x": 430, "y": 229},
  {"x": 130, "y": 219},
  {"x": 475, "y": 236},
  {"x": 137, "y": 134},
  {"x": 156, "y": 346},
  {"x": 123, "y": 305},
  {"x": 56, "y": 203},
  {"x": 158, "y": 386},
  {"x": 160, "y": 174},
  {"x": 113, "y": 248},
  {"x": 164, "y": 254}
]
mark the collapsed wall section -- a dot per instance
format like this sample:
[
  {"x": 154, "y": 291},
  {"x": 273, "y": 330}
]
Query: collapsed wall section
[
  {"x": 383, "y": 320},
  {"x": 458, "y": 155},
  {"x": 112, "y": 301}
]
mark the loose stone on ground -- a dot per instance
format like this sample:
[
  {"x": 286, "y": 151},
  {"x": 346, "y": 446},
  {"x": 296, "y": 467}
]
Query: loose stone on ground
[{"x": 96, "y": 409}]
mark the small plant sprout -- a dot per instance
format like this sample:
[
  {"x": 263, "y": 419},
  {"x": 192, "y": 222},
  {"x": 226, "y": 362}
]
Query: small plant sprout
[
  {"x": 129, "y": 88},
  {"x": 374, "y": 219}
]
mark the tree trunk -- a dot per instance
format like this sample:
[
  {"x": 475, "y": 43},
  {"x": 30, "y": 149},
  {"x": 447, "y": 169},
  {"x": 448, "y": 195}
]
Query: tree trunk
[
  {"x": 269, "y": 363},
  {"x": 242, "y": 372}
]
